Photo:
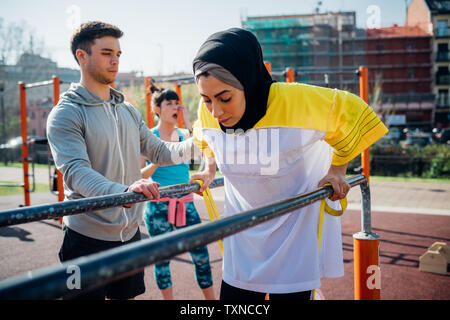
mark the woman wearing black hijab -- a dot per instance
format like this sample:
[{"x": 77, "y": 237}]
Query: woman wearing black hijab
[{"x": 271, "y": 141}]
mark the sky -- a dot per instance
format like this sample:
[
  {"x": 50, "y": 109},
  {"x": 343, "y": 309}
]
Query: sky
[{"x": 162, "y": 37}]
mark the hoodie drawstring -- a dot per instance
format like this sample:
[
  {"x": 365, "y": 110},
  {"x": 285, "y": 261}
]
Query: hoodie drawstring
[{"x": 122, "y": 163}]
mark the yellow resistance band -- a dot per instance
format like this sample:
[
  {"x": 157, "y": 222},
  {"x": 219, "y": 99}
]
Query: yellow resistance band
[
  {"x": 211, "y": 207},
  {"x": 325, "y": 208}
]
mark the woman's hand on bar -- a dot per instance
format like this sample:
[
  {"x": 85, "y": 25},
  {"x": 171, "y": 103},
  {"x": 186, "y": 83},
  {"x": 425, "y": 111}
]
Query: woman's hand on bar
[
  {"x": 336, "y": 177},
  {"x": 207, "y": 176}
]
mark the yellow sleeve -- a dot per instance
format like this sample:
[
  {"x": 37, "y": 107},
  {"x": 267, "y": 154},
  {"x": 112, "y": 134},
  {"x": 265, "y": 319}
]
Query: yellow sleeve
[
  {"x": 202, "y": 122},
  {"x": 349, "y": 124},
  {"x": 297, "y": 105},
  {"x": 352, "y": 127}
]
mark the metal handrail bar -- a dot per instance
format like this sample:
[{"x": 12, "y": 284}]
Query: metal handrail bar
[
  {"x": 56, "y": 210},
  {"x": 107, "y": 266}
]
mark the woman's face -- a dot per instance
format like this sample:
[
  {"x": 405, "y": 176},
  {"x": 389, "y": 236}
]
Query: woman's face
[
  {"x": 168, "y": 111},
  {"x": 226, "y": 103}
]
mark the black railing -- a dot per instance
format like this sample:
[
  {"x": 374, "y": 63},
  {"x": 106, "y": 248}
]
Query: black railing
[
  {"x": 102, "y": 268},
  {"x": 56, "y": 210},
  {"x": 442, "y": 79}
]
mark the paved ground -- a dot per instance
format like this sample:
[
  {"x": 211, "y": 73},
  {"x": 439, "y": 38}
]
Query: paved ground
[{"x": 409, "y": 217}]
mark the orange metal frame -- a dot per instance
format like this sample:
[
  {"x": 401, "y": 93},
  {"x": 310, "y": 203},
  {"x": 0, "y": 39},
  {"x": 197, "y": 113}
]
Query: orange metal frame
[
  {"x": 180, "y": 121},
  {"x": 148, "y": 103},
  {"x": 24, "y": 133}
]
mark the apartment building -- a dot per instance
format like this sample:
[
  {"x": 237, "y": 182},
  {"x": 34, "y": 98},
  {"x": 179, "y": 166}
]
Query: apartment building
[
  {"x": 325, "y": 49},
  {"x": 434, "y": 16}
]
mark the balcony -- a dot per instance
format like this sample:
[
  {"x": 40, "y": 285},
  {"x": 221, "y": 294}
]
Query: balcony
[
  {"x": 443, "y": 101},
  {"x": 442, "y": 32},
  {"x": 442, "y": 56},
  {"x": 408, "y": 98},
  {"x": 411, "y": 101},
  {"x": 442, "y": 79}
]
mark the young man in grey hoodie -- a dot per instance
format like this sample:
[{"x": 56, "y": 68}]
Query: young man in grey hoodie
[{"x": 96, "y": 139}]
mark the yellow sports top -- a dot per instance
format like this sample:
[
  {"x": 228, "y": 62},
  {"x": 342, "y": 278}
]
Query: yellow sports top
[{"x": 349, "y": 122}]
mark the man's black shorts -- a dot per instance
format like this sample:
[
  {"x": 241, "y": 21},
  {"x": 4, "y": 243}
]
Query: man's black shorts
[{"x": 75, "y": 245}]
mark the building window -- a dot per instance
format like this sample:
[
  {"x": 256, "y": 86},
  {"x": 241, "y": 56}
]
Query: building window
[
  {"x": 443, "y": 70},
  {"x": 442, "y": 29},
  {"x": 445, "y": 5},
  {"x": 442, "y": 53},
  {"x": 443, "y": 47},
  {"x": 443, "y": 76},
  {"x": 443, "y": 98}
]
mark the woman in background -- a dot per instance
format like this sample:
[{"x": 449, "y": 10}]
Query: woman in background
[{"x": 167, "y": 214}]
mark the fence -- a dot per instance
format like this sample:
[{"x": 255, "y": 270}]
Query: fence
[{"x": 102, "y": 268}]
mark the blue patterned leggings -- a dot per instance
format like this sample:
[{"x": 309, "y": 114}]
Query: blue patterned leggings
[{"x": 156, "y": 220}]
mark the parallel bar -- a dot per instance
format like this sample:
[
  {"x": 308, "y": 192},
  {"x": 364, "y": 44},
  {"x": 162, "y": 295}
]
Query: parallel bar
[
  {"x": 41, "y": 84},
  {"x": 355, "y": 72},
  {"x": 180, "y": 82},
  {"x": 278, "y": 73},
  {"x": 56, "y": 210},
  {"x": 6, "y": 184},
  {"x": 102, "y": 268},
  {"x": 173, "y": 79}
]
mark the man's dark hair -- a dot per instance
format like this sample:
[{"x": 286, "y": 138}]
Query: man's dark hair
[{"x": 84, "y": 37}]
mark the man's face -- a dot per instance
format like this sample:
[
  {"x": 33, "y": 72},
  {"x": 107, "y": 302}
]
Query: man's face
[{"x": 103, "y": 62}]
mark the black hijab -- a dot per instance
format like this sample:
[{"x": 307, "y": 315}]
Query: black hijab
[{"x": 238, "y": 51}]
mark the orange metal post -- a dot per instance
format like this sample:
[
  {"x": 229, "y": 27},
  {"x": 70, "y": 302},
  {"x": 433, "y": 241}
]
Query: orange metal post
[
  {"x": 148, "y": 102},
  {"x": 366, "y": 253},
  {"x": 59, "y": 177},
  {"x": 367, "y": 275},
  {"x": 24, "y": 134},
  {"x": 364, "y": 94},
  {"x": 112, "y": 85},
  {"x": 180, "y": 121},
  {"x": 290, "y": 75},
  {"x": 268, "y": 67}
]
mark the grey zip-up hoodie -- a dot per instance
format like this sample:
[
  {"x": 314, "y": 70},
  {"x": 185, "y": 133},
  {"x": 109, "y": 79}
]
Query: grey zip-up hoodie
[{"x": 96, "y": 144}]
